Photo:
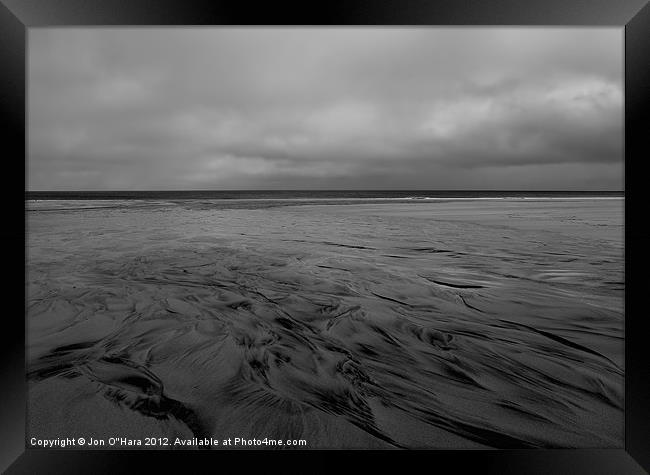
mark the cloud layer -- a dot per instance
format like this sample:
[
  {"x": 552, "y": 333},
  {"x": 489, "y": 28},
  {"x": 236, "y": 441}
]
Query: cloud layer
[{"x": 277, "y": 108}]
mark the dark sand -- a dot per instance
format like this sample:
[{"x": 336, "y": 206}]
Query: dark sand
[{"x": 464, "y": 323}]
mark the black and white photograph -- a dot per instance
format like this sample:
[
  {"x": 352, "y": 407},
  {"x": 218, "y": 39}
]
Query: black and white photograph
[{"x": 325, "y": 237}]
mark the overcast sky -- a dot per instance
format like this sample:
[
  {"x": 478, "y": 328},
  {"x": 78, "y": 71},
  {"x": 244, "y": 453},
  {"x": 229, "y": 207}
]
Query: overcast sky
[{"x": 353, "y": 108}]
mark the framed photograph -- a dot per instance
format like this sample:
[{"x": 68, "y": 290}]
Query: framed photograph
[{"x": 290, "y": 237}]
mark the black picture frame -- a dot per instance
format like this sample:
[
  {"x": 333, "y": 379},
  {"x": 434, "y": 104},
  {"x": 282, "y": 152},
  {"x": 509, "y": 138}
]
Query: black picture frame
[{"x": 16, "y": 16}]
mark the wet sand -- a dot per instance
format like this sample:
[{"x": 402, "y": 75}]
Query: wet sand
[{"x": 443, "y": 324}]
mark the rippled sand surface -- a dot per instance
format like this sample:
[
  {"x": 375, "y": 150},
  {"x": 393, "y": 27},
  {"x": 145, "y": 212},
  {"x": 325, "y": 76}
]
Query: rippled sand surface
[{"x": 466, "y": 324}]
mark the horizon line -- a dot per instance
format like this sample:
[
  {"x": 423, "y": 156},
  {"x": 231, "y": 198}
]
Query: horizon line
[{"x": 327, "y": 189}]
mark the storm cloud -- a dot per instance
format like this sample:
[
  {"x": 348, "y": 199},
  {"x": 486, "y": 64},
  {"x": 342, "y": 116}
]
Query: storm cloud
[{"x": 335, "y": 108}]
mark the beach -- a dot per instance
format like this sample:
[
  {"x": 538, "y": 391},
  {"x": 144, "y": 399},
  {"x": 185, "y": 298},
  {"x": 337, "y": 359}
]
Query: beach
[{"x": 428, "y": 323}]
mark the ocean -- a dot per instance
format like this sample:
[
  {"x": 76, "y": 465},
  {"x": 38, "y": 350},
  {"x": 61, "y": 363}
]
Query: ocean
[{"x": 306, "y": 194}]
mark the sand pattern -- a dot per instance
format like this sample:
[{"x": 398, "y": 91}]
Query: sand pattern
[{"x": 425, "y": 325}]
